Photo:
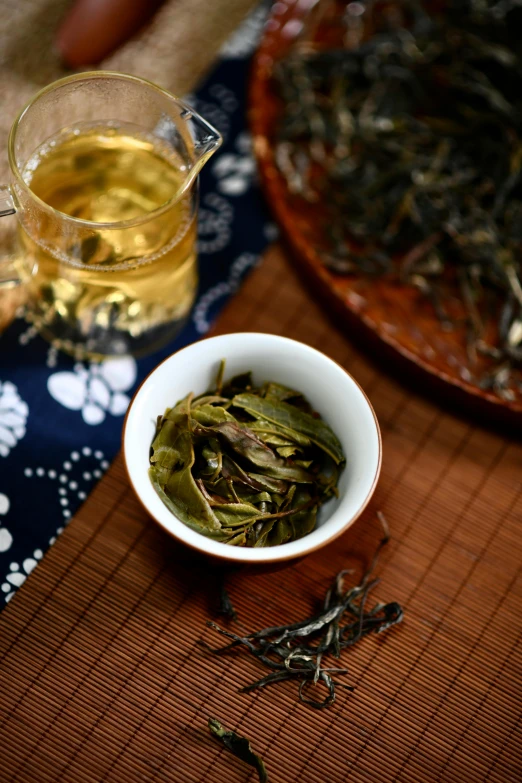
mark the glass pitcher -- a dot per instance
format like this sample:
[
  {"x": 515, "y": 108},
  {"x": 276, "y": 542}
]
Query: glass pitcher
[{"x": 104, "y": 186}]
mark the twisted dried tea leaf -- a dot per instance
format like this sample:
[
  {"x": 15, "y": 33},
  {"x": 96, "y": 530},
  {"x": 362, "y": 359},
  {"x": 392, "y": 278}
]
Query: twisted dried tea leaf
[
  {"x": 243, "y": 465},
  {"x": 239, "y": 746},
  {"x": 298, "y": 651},
  {"x": 226, "y": 607}
]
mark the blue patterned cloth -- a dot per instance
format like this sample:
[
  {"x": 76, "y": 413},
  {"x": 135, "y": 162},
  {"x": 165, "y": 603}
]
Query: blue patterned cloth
[{"x": 60, "y": 420}]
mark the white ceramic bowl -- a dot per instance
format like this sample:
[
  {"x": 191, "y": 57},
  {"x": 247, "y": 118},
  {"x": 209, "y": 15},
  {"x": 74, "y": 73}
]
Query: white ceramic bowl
[{"x": 330, "y": 389}]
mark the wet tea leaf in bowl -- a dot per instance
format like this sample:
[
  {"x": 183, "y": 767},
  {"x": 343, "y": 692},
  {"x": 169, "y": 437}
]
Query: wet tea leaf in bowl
[{"x": 245, "y": 465}]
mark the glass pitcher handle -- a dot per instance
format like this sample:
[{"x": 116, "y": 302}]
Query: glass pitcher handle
[
  {"x": 7, "y": 206},
  {"x": 8, "y": 276}
]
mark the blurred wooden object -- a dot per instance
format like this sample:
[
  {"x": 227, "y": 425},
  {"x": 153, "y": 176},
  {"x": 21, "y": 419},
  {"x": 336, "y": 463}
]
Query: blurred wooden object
[{"x": 93, "y": 29}]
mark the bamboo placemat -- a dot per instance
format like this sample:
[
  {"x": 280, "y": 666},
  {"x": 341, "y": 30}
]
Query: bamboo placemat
[{"x": 102, "y": 678}]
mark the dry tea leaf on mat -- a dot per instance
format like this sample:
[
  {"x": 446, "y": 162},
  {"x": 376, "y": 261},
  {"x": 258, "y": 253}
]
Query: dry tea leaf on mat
[{"x": 239, "y": 746}]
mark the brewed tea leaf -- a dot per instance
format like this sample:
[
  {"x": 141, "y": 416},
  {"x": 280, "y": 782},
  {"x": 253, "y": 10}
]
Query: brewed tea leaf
[
  {"x": 287, "y": 451},
  {"x": 237, "y": 514},
  {"x": 237, "y": 384},
  {"x": 294, "y": 419},
  {"x": 209, "y": 415},
  {"x": 268, "y": 483},
  {"x": 219, "y": 377},
  {"x": 279, "y": 392},
  {"x": 266, "y": 430},
  {"x": 227, "y": 481},
  {"x": 256, "y": 481},
  {"x": 252, "y": 448},
  {"x": 179, "y": 490}
]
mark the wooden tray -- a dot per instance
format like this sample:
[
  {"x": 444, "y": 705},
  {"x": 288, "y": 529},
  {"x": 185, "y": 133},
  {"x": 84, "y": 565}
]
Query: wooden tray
[{"x": 397, "y": 319}]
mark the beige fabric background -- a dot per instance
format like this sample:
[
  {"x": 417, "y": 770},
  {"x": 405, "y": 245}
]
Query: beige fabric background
[{"x": 174, "y": 50}]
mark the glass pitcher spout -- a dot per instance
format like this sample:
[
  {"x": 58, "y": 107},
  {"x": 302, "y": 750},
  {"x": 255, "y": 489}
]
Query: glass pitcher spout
[
  {"x": 193, "y": 138},
  {"x": 206, "y": 139},
  {"x": 107, "y": 250}
]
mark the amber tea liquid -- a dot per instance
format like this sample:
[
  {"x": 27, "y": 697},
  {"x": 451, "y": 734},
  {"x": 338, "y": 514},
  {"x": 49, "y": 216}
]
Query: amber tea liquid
[{"x": 118, "y": 290}]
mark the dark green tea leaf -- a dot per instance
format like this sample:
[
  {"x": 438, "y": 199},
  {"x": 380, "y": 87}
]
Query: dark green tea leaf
[
  {"x": 298, "y": 651},
  {"x": 239, "y": 746}
]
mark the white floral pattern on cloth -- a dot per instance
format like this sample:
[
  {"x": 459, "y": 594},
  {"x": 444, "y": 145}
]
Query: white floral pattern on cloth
[
  {"x": 215, "y": 223},
  {"x": 6, "y": 539},
  {"x": 243, "y": 42},
  {"x": 95, "y": 390},
  {"x": 18, "y": 574},
  {"x": 235, "y": 171},
  {"x": 202, "y": 309},
  {"x": 13, "y": 417},
  {"x": 70, "y": 483},
  {"x": 73, "y": 478}
]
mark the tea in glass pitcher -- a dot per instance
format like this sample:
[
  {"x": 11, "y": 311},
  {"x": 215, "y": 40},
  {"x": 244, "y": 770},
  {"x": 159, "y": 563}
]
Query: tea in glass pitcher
[{"x": 107, "y": 214}]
